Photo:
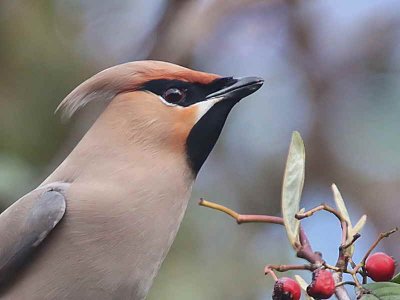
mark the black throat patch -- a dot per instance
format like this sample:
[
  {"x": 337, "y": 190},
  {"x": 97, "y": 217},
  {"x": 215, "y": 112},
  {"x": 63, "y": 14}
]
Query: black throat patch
[{"x": 205, "y": 132}]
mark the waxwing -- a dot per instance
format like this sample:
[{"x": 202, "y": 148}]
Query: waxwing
[{"x": 101, "y": 224}]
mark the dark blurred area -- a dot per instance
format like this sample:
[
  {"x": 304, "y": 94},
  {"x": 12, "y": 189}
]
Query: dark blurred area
[{"x": 331, "y": 70}]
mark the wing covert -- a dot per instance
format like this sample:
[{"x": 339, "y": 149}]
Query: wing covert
[{"x": 25, "y": 224}]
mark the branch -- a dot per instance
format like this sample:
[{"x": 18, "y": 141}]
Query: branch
[
  {"x": 373, "y": 246},
  {"x": 285, "y": 268},
  {"x": 340, "y": 291},
  {"x": 333, "y": 211},
  {"x": 242, "y": 218},
  {"x": 355, "y": 238},
  {"x": 303, "y": 250}
]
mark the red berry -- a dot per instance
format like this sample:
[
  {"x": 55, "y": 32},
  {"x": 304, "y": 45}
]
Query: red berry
[
  {"x": 286, "y": 288},
  {"x": 322, "y": 285},
  {"x": 380, "y": 267}
]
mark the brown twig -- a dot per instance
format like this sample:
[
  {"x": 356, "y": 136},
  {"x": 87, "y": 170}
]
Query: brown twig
[
  {"x": 303, "y": 250},
  {"x": 285, "y": 268},
  {"x": 340, "y": 290},
  {"x": 364, "y": 277},
  {"x": 373, "y": 246},
  {"x": 356, "y": 281},
  {"x": 307, "y": 254},
  {"x": 333, "y": 211},
  {"x": 345, "y": 283},
  {"x": 323, "y": 206},
  {"x": 270, "y": 272},
  {"x": 355, "y": 238},
  {"x": 344, "y": 257},
  {"x": 378, "y": 240},
  {"x": 333, "y": 268},
  {"x": 352, "y": 263},
  {"x": 242, "y": 218}
]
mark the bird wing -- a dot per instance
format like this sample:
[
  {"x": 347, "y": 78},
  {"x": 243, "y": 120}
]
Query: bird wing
[{"x": 26, "y": 223}]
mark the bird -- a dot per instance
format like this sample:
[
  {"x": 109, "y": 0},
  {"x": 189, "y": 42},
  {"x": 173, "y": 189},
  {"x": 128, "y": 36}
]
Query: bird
[{"x": 100, "y": 225}]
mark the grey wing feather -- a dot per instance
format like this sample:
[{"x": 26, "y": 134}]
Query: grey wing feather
[{"x": 25, "y": 224}]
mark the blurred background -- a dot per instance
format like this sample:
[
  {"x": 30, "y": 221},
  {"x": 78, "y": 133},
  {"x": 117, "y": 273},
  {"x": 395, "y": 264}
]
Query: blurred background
[{"x": 331, "y": 70}]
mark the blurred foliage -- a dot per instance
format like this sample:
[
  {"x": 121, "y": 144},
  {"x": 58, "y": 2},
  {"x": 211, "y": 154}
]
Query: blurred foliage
[{"x": 331, "y": 70}]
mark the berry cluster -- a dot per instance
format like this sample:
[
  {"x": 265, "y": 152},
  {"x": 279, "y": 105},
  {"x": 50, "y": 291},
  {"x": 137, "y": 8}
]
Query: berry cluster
[
  {"x": 379, "y": 267},
  {"x": 321, "y": 287},
  {"x": 326, "y": 278}
]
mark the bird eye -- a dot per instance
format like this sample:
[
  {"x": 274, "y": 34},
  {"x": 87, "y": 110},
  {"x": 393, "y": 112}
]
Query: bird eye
[{"x": 174, "y": 95}]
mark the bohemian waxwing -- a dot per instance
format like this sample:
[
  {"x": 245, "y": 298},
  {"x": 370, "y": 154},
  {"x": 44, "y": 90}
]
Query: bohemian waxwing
[{"x": 120, "y": 195}]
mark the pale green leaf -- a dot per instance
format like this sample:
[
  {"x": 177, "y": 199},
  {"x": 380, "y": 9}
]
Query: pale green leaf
[
  {"x": 293, "y": 182},
  {"x": 396, "y": 279},
  {"x": 369, "y": 297},
  {"x": 341, "y": 206},
  {"x": 303, "y": 284},
  {"x": 359, "y": 226},
  {"x": 353, "y": 231},
  {"x": 350, "y": 251},
  {"x": 382, "y": 291}
]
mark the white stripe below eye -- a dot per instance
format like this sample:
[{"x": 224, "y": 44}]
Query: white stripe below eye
[
  {"x": 204, "y": 106},
  {"x": 166, "y": 102}
]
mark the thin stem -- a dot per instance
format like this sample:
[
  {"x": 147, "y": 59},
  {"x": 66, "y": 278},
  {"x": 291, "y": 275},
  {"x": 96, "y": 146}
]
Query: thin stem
[
  {"x": 336, "y": 269},
  {"x": 356, "y": 281},
  {"x": 285, "y": 268},
  {"x": 378, "y": 240},
  {"x": 259, "y": 219},
  {"x": 307, "y": 254},
  {"x": 219, "y": 207},
  {"x": 333, "y": 211},
  {"x": 364, "y": 276},
  {"x": 352, "y": 263},
  {"x": 355, "y": 238},
  {"x": 242, "y": 218},
  {"x": 303, "y": 250},
  {"x": 344, "y": 257},
  {"x": 270, "y": 272},
  {"x": 373, "y": 246},
  {"x": 340, "y": 290},
  {"x": 323, "y": 206},
  {"x": 345, "y": 283}
]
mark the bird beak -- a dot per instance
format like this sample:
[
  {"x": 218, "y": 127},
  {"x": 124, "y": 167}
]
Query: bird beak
[
  {"x": 242, "y": 87},
  {"x": 234, "y": 91}
]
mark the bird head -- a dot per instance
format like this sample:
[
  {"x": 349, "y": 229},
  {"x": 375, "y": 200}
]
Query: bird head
[{"x": 165, "y": 104}]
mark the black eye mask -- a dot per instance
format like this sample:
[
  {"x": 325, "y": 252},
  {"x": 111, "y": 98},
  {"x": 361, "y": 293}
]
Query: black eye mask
[
  {"x": 205, "y": 132},
  {"x": 192, "y": 92}
]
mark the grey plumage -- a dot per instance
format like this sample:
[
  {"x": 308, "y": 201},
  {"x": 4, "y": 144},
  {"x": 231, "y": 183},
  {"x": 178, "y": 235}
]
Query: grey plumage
[{"x": 25, "y": 224}]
